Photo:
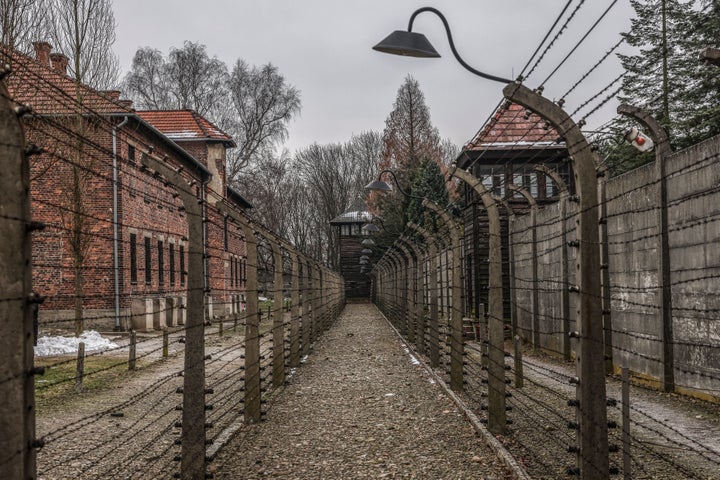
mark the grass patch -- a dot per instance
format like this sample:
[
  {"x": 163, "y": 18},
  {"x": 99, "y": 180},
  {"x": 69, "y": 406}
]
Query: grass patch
[{"x": 57, "y": 385}]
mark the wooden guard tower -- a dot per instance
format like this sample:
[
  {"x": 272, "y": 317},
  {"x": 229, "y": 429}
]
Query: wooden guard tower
[{"x": 349, "y": 225}]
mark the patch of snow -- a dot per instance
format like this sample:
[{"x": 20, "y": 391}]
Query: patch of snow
[
  {"x": 94, "y": 342},
  {"x": 304, "y": 359},
  {"x": 262, "y": 299},
  {"x": 414, "y": 360}
]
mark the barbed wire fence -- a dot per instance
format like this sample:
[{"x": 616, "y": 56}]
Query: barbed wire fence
[
  {"x": 191, "y": 372},
  {"x": 655, "y": 305}
]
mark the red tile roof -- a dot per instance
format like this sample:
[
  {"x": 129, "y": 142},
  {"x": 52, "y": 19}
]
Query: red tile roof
[
  {"x": 179, "y": 125},
  {"x": 49, "y": 91},
  {"x": 508, "y": 129}
]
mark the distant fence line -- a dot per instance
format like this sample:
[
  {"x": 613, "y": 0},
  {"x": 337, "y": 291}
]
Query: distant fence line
[{"x": 180, "y": 413}]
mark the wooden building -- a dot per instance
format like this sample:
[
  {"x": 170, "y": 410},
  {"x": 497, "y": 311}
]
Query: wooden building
[{"x": 350, "y": 234}]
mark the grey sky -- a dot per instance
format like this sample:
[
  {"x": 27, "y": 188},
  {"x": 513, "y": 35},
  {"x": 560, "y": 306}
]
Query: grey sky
[{"x": 323, "y": 47}]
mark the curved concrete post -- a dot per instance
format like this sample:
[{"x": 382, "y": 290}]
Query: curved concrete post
[
  {"x": 193, "y": 416},
  {"x": 295, "y": 315},
  {"x": 433, "y": 334},
  {"x": 419, "y": 292},
  {"x": 433, "y": 347},
  {"x": 497, "y": 418},
  {"x": 534, "y": 261},
  {"x": 316, "y": 303},
  {"x": 593, "y": 458},
  {"x": 307, "y": 314},
  {"x": 564, "y": 279},
  {"x": 662, "y": 151},
  {"x": 398, "y": 290},
  {"x": 278, "y": 336},
  {"x": 456, "y": 327},
  {"x": 410, "y": 301}
]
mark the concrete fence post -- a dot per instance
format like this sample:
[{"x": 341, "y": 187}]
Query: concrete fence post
[
  {"x": 278, "y": 336},
  {"x": 592, "y": 458},
  {"x": 533, "y": 262},
  {"x": 193, "y": 417},
  {"x": 456, "y": 329},
  {"x": 564, "y": 278},
  {"x": 662, "y": 151},
  {"x": 295, "y": 312},
  {"x": 419, "y": 289},
  {"x": 409, "y": 280},
  {"x": 497, "y": 416},
  {"x": 17, "y": 410}
]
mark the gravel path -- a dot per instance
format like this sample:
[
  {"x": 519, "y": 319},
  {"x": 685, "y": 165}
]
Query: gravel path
[{"x": 359, "y": 408}]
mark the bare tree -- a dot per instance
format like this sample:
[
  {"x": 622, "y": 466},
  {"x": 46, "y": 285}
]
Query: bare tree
[
  {"x": 197, "y": 81},
  {"x": 147, "y": 83},
  {"x": 263, "y": 104},
  {"x": 84, "y": 30},
  {"x": 21, "y": 22}
]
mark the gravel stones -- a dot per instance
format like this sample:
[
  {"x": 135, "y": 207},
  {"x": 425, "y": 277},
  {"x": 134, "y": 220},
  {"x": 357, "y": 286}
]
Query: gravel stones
[{"x": 359, "y": 408}]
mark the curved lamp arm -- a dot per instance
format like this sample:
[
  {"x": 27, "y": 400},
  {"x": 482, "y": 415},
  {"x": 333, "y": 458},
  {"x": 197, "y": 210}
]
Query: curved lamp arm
[
  {"x": 380, "y": 186},
  {"x": 452, "y": 44}
]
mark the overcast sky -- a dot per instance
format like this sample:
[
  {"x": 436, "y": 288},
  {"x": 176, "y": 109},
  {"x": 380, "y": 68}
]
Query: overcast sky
[{"x": 323, "y": 47}]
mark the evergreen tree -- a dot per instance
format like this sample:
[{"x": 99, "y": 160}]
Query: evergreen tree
[
  {"x": 409, "y": 139},
  {"x": 665, "y": 77},
  {"x": 430, "y": 183},
  {"x": 700, "y": 117}
]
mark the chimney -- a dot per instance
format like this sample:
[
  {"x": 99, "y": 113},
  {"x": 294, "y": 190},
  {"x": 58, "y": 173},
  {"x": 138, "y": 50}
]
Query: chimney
[
  {"x": 42, "y": 53},
  {"x": 126, "y": 104},
  {"x": 113, "y": 95},
  {"x": 59, "y": 62}
]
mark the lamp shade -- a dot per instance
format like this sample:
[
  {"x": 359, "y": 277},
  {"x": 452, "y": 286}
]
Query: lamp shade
[
  {"x": 364, "y": 257},
  {"x": 366, "y": 251},
  {"x": 378, "y": 186},
  {"x": 370, "y": 228},
  {"x": 409, "y": 44},
  {"x": 368, "y": 242}
]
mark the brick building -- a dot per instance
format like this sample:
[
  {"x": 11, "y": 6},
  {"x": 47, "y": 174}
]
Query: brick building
[{"x": 135, "y": 274}]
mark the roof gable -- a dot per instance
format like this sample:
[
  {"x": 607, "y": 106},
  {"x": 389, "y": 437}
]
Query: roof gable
[
  {"x": 510, "y": 128},
  {"x": 48, "y": 91},
  {"x": 183, "y": 125}
]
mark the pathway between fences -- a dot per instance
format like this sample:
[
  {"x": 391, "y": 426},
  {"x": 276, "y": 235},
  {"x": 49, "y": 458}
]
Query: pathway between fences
[{"x": 360, "y": 407}]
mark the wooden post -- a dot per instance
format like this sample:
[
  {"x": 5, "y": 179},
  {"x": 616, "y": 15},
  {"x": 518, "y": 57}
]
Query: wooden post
[
  {"x": 165, "y": 343},
  {"x": 132, "y": 350},
  {"x": 80, "y": 368},
  {"x": 17, "y": 409},
  {"x": 627, "y": 473}
]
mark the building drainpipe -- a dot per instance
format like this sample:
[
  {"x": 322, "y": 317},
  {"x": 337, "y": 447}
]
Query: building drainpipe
[{"x": 116, "y": 259}]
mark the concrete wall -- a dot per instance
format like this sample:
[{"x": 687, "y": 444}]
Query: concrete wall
[{"x": 693, "y": 205}]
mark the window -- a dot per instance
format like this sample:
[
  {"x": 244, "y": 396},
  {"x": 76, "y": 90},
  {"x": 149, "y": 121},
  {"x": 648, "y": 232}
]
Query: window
[
  {"x": 148, "y": 262},
  {"x": 131, "y": 153},
  {"x": 493, "y": 178},
  {"x": 171, "y": 259},
  {"x": 232, "y": 271},
  {"x": 133, "y": 258},
  {"x": 182, "y": 265},
  {"x": 244, "y": 269},
  {"x": 161, "y": 266}
]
